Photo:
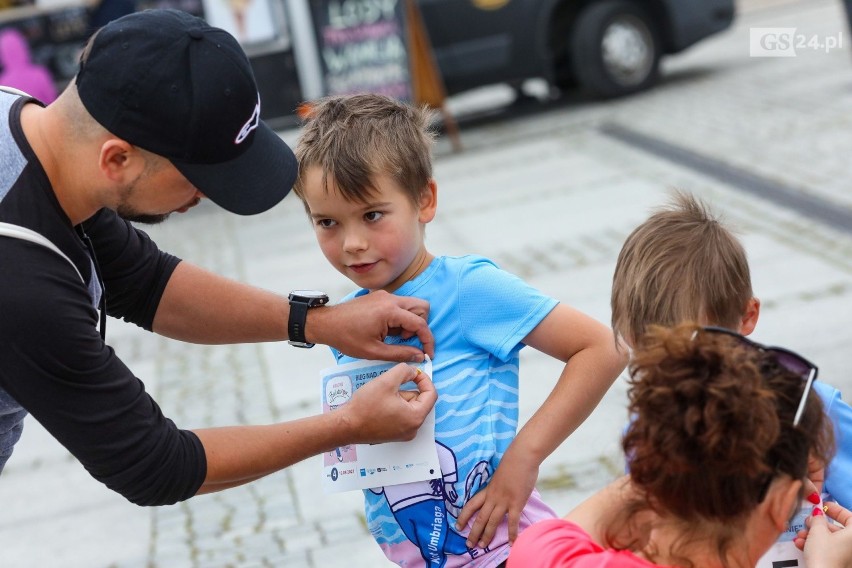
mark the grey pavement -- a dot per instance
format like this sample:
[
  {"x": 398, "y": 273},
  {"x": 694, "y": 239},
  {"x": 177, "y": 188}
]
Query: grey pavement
[{"x": 550, "y": 196}]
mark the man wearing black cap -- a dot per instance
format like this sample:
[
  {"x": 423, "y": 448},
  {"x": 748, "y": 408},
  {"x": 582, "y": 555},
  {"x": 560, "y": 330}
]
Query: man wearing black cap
[{"x": 164, "y": 111}]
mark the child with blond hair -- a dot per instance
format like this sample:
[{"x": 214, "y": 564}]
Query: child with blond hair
[{"x": 684, "y": 264}]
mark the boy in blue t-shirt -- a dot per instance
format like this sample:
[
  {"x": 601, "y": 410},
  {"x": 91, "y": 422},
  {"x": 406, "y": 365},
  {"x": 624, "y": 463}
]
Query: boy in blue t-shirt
[
  {"x": 366, "y": 183},
  {"x": 682, "y": 264}
]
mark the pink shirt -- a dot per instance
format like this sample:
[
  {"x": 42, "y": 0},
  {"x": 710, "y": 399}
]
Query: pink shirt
[{"x": 556, "y": 543}]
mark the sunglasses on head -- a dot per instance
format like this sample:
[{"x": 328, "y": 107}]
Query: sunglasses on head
[{"x": 791, "y": 361}]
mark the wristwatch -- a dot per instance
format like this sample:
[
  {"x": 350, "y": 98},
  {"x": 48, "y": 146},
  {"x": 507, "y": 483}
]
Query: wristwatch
[{"x": 300, "y": 302}]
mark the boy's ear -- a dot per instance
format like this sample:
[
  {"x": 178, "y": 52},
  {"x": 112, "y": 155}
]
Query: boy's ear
[
  {"x": 750, "y": 317},
  {"x": 428, "y": 201}
]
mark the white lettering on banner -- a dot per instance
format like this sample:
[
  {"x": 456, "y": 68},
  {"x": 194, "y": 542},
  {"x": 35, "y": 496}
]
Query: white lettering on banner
[
  {"x": 351, "y": 13},
  {"x": 390, "y": 76},
  {"x": 359, "y": 54},
  {"x": 336, "y": 36}
]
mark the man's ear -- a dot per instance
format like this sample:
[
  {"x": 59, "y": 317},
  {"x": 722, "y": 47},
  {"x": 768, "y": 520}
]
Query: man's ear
[
  {"x": 120, "y": 161},
  {"x": 750, "y": 317},
  {"x": 428, "y": 201}
]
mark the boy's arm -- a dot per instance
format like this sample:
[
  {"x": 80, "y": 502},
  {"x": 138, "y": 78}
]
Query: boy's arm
[{"x": 592, "y": 364}]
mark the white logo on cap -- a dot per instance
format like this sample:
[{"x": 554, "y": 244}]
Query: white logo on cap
[{"x": 252, "y": 123}]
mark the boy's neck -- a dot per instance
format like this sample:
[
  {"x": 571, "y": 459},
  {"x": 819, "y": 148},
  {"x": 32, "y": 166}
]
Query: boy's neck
[{"x": 416, "y": 268}]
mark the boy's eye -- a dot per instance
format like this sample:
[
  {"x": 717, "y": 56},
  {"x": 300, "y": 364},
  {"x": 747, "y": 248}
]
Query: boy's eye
[
  {"x": 325, "y": 223},
  {"x": 373, "y": 216}
]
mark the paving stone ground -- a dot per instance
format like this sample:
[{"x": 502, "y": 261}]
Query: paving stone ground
[{"x": 549, "y": 195}]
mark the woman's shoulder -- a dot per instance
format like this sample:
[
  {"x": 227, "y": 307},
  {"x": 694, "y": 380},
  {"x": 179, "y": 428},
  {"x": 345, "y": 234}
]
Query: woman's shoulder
[{"x": 558, "y": 543}]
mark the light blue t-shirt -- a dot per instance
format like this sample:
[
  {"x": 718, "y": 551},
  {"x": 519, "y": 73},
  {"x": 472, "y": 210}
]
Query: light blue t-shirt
[
  {"x": 479, "y": 315},
  {"x": 838, "y": 474}
]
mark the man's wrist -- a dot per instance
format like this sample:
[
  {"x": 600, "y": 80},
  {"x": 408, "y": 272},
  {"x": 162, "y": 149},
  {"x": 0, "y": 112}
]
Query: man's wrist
[
  {"x": 315, "y": 324},
  {"x": 347, "y": 424},
  {"x": 301, "y": 303}
]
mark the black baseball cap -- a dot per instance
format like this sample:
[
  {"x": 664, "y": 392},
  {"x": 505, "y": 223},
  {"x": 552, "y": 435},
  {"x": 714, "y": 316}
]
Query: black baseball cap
[{"x": 167, "y": 82}]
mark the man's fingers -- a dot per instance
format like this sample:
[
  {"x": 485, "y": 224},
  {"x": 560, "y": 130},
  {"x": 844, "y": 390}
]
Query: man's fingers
[
  {"x": 413, "y": 324},
  {"x": 388, "y": 352},
  {"x": 423, "y": 400},
  {"x": 428, "y": 395},
  {"x": 417, "y": 306},
  {"x": 408, "y": 396}
]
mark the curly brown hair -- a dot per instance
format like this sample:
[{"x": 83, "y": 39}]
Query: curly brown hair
[{"x": 712, "y": 422}]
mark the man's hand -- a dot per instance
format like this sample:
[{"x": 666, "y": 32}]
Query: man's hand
[
  {"x": 379, "y": 412},
  {"x": 827, "y": 545},
  {"x": 506, "y": 495},
  {"x": 358, "y": 327}
]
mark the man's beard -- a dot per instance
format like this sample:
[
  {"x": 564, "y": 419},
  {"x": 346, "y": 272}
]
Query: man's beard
[{"x": 128, "y": 214}]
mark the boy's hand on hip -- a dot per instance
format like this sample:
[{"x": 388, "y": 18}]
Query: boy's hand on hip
[
  {"x": 505, "y": 496},
  {"x": 379, "y": 412},
  {"x": 359, "y": 327}
]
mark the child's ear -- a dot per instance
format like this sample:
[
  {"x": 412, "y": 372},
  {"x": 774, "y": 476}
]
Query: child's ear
[
  {"x": 428, "y": 201},
  {"x": 750, "y": 317}
]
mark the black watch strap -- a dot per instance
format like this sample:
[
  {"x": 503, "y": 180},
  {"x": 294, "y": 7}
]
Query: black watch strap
[
  {"x": 296, "y": 324},
  {"x": 300, "y": 302}
]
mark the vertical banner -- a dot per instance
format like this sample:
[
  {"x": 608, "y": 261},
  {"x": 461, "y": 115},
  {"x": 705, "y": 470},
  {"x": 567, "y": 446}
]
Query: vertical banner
[{"x": 363, "y": 47}]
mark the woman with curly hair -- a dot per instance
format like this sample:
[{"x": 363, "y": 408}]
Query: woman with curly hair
[{"x": 717, "y": 450}]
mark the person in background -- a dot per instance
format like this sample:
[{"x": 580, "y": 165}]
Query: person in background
[
  {"x": 683, "y": 264},
  {"x": 17, "y": 69}
]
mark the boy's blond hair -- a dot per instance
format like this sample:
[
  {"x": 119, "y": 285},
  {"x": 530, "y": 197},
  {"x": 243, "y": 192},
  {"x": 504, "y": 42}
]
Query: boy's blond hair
[
  {"x": 681, "y": 264},
  {"x": 355, "y": 138}
]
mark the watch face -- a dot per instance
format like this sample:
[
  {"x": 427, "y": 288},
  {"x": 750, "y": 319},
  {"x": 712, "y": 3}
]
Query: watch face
[{"x": 308, "y": 293}]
